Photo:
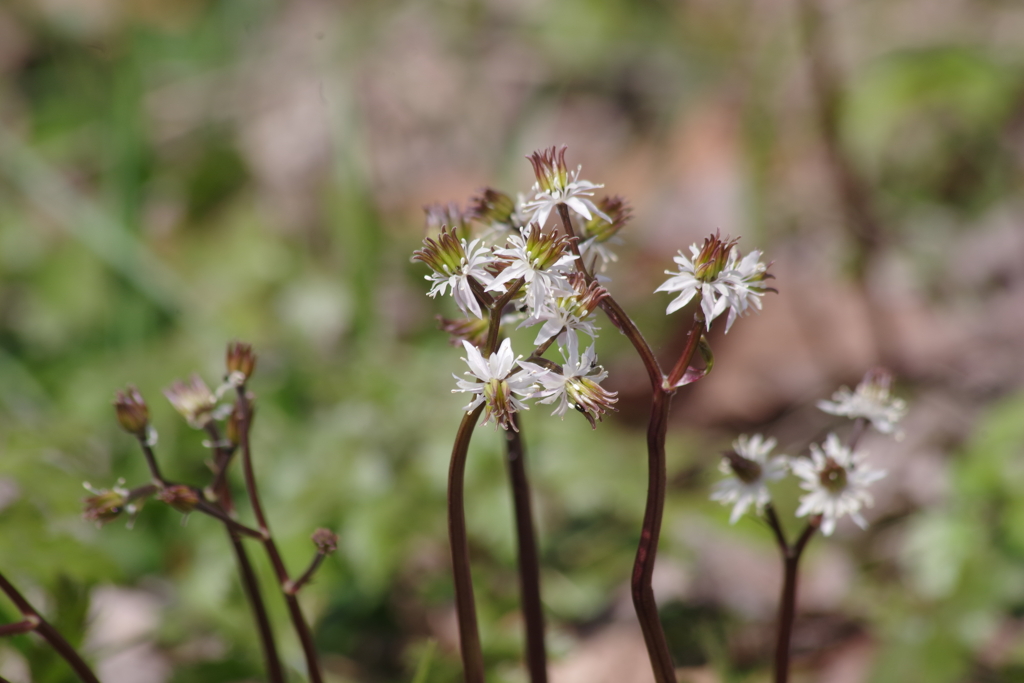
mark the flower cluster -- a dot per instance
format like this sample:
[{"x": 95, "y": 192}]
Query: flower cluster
[{"x": 835, "y": 476}]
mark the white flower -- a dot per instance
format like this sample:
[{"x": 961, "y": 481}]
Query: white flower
[
  {"x": 454, "y": 262},
  {"x": 749, "y": 469},
  {"x": 497, "y": 385},
  {"x": 721, "y": 277},
  {"x": 557, "y": 185},
  {"x": 837, "y": 480},
  {"x": 577, "y": 385},
  {"x": 871, "y": 401},
  {"x": 543, "y": 261},
  {"x": 568, "y": 315}
]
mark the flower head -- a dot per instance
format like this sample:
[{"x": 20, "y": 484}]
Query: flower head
[
  {"x": 837, "y": 482},
  {"x": 106, "y": 505},
  {"x": 557, "y": 185},
  {"x": 567, "y": 315},
  {"x": 870, "y": 400},
  {"x": 542, "y": 259},
  {"x": 601, "y": 229},
  {"x": 464, "y": 329},
  {"x": 721, "y": 277},
  {"x": 750, "y": 468},
  {"x": 454, "y": 262},
  {"x": 497, "y": 386},
  {"x": 194, "y": 401},
  {"x": 577, "y": 385},
  {"x": 132, "y": 412}
]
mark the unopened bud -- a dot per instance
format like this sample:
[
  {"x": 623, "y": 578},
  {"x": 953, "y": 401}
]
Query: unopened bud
[
  {"x": 104, "y": 506},
  {"x": 180, "y": 497},
  {"x": 241, "y": 362},
  {"x": 132, "y": 412},
  {"x": 469, "y": 329},
  {"x": 493, "y": 207},
  {"x": 325, "y": 540},
  {"x": 447, "y": 215}
]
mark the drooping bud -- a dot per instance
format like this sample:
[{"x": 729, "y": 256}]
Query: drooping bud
[
  {"x": 194, "y": 401},
  {"x": 132, "y": 412},
  {"x": 465, "y": 329},
  {"x": 600, "y": 229},
  {"x": 440, "y": 216},
  {"x": 493, "y": 207},
  {"x": 590, "y": 398},
  {"x": 241, "y": 362},
  {"x": 180, "y": 497},
  {"x": 325, "y": 540}
]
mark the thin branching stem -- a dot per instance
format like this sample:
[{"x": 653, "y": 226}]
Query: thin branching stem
[
  {"x": 791, "y": 555},
  {"x": 296, "y": 585},
  {"x": 302, "y": 629},
  {"x": 47, "y": 632}
]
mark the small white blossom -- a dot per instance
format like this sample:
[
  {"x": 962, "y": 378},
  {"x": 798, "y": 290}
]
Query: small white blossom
[
  {"x": 542, "y": 259},
  {"x": 497, "y": 385},
  {"x": 750, "y": 468},
  {"x": 721, "y": 278},
  {"x": 837, "y": 482},
  {"x": 568, "y": 315},
  {"x": 454, "y": 262},
  {"x": 871, "y": 401},
  {"x": 577, "y": 385},
  {"x": 557, "y": 185}
]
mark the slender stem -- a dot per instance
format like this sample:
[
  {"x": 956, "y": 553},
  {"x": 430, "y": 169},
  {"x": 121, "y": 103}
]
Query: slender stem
[
  {"x": 232, "y": 524},
  {"x": 465, "y": 606},
  {"x": 692, "y": 340},
  {"x": 48, "y": 632},
  {"x": 17, "y": 628},
  {"x": 643, "y": 566},
  {"x": 529, "y": 563},
  {"x": 295, "y": 586},
  {"x": 251, "y": 586},
  {"x": 154, "y": 469},
  {"x": 494, "y": 326},
  {"x": 615, "y": 312},
  {"x": 574, "y": 243},
  {"x": 298, "y": 621}
]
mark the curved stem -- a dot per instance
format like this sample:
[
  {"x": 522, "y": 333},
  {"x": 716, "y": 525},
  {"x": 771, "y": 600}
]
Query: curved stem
[
  {"x": 48, "y": 632},
  {"x": 294, "y": 610},
  {"x": 465, "y": 606},
  {"x": 529, "y": 563},
  {"x": 791, "y": 555},
  {"x": 643, "y": 566},
  {"x": 692, "y": 340}
]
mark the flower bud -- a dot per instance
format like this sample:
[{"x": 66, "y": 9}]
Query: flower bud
[
  {"x": 448, "y": 215},
  {"x": 493, "y": 207},
  {"x": 132, "y": 412},
  {"x": 325, "y": 540},
  {"x": 469, "y": 329},
  {"x": 104, "y": 506},
  {"x": 600, "y": 229},
  {"x": 241, "y": 362},
  {"x": 180, "y": 497}
]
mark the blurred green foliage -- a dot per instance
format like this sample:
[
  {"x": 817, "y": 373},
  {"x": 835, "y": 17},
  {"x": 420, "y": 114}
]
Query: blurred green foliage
[{"x": 133, "y": 249}]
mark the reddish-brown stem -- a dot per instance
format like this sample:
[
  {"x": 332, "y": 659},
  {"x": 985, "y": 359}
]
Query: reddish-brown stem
[
  {"x": 791, "y": 555},
  {"x": 529, "y": 563},
  {"x": 235, "y": 529},
  {"x": 494, "y": 326},
  {"x": 294, "y": 610},
  {"x": 574, "y": 243},
  {"x": 692, "y": 340},
  {"x": 47, "y": 632},
  {"x": 295, "y": 586},
  {"x": 251, "y": 587},
  {"x": 465, "y": 605},
  {"x": 643, "y": 567},
  {"x": 19, "y": 627}
]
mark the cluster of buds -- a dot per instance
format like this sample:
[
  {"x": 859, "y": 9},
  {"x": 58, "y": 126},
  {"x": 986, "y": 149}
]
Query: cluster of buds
[{"x": 836, "y": 477}]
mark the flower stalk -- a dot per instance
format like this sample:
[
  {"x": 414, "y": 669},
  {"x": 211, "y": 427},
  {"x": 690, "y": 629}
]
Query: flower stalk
[{"x": 33, "y": 621}]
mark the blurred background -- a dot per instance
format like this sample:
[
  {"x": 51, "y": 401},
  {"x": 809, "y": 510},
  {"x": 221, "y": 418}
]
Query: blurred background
[{"x": 175, "y": 174}]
